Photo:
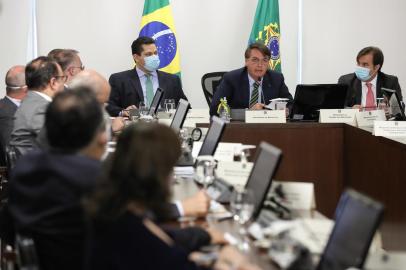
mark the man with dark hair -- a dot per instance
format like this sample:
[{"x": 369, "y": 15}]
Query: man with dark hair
[
  {"x": 47, "y": 186},
  {"x": 16, "y": 90},
  {"x": 44, "y": 78},
  {"x": 69, "y": 61},
  {"x": 253, "y": 85},
  {"x": 364, "y": 85},
  {"x": 129, "y": 88}
]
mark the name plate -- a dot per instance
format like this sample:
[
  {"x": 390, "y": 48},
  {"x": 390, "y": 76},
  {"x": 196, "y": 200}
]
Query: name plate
[
  {"x": 338, "y": 116},
  {"x": 235, "y": 173},
  {"x": 195, "y": 116},
  {"x": 298, "y": 195},
  {"x": 265, "y": 116},
  {"x": 367, "y": 118},
  {"x": 390, "y": 128},
  {"x": 224, "y": 152}
]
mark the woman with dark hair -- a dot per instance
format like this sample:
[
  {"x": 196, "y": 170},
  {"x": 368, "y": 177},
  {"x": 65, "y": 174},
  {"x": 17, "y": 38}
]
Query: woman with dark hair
[{"x": 136, "y": 187}]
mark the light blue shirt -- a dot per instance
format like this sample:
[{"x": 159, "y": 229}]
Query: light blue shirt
[
  {"x": 143, "y": 80},
  {"x": 251, "y": 82}
]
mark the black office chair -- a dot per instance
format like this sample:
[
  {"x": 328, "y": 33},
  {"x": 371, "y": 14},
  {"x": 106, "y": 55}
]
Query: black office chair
[{"x": 210, "y": 81}]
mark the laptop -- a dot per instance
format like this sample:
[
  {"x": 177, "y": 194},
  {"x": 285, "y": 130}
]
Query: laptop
[
  {"x": 210, "y": 142},
  {"x": 357, "y": 218},
  {"x": 267, "y": 160},
  {"x": 180, "y": 115},
  {"x": 310, "y": 98},
  {"x": 398, "y": 111},
  {"x": 156, "y": 101}
]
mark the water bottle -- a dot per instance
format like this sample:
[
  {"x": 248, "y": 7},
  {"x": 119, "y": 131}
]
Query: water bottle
[{"x": 224, "y": 110}]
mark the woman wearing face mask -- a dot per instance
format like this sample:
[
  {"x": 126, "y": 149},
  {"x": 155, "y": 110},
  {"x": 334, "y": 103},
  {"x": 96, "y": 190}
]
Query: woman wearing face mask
[
  {"x": 364, "y": 85},
  {"x": 129, "y": 88},
  {"x": 135, "y": 188}
]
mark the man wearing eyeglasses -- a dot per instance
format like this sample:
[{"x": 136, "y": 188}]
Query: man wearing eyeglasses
[
  {"x": 69, "y": 61},
  {"x": 44, "y": 78},
  {"x": 253, "y": 85},
  {"x": 16, "y": 90}
]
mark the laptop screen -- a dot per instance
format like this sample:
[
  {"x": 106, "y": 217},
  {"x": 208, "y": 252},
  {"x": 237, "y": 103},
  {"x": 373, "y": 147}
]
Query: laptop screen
[
  {"x": 213, "y": 137},
  {"x": 310, "y": 98},
  {"x": 265, "y": 166},
  {"x": 156, "y": 101},
  {"x": 357, "y": 219},
  {"x": 180, "y": 114}
]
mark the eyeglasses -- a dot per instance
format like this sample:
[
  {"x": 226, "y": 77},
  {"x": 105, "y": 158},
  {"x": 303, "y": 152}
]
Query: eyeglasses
[
  {"x": 82, "y": 67},
  {"x": 62, "y": 77},
  {"x": 257, "y": 61}
]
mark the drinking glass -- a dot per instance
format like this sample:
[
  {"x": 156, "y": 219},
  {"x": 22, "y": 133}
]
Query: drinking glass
[
  {"x": 242, "y": 207},
  {"x": 169, "y": 105},
  {"x": 143, "y": 109},
  {"x": 208, "y": 172},
  {"x": 382, "y": 104}
]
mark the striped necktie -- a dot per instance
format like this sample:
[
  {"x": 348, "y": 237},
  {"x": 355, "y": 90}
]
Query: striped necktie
[
  {"x": 254, "y": 95},
  {"x": 149, "y": 88}
]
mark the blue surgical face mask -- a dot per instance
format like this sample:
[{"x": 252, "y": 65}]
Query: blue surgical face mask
[
  {"x": 362, "y": 73},
  {"x": 152, "y": 62}
]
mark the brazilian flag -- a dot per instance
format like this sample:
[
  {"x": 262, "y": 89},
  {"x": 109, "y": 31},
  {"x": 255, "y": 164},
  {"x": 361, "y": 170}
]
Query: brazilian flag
[
  {"x": 157, "y": 22},
  {"x": 266, "y": 28}
]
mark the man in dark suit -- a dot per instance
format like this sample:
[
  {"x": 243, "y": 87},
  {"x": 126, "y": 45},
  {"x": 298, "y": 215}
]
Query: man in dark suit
[
  {"x": 47, "y": 186},
  {"x": 364, "y": 85},
  {"x": 44, "y": 78},
  {"x": 253, "y": 85},
  {"x": 15, "y": 92},
  {"x": 129, "y": 88}
]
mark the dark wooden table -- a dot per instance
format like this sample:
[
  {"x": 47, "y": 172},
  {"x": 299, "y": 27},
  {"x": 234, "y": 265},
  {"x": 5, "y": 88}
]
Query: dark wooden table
[{"x": 334, "y": 157}]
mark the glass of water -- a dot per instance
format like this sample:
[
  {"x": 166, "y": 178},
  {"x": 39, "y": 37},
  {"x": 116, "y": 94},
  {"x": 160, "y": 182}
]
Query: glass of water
[
  {"x": 143, "y": 109},
  {"x": 242, "y": 207},
  {"x": 169, "y": 105}
]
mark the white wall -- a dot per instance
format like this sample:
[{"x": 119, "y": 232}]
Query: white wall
[{"x": 212, "y": 35}]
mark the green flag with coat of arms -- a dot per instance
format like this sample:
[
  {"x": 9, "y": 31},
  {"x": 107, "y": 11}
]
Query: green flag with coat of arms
[{"x": 266, "y": 28}]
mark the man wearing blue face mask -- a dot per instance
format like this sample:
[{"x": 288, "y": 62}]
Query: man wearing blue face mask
[
  {"x": 129, "y": 88},
  {"x": 364, "y": 85}
]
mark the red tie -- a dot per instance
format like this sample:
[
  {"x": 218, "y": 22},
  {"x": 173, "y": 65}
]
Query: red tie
[{"x": 370, "y": 102}]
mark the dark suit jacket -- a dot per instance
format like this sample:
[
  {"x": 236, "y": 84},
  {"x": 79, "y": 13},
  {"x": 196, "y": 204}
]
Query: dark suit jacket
[
  {"x": 7, "y": 111},
  {"x": 235, "y": 87},
  {"x": 354, "y": 93},
  {"x": 45, "y": 195},
  {"x": 126, "y": 89}
]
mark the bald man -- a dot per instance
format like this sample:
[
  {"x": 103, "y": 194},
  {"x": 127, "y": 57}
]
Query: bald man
[
  {"x": 101, "y": 87},
  {"x": 16, "y": 90}
]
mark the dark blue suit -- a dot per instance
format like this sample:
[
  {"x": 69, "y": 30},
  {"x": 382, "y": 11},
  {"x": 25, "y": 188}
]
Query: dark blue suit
[
  {"x": 7, "y": 111},
  {"x": 235, "y": 87},
  {"x": 126, "y": 89}
]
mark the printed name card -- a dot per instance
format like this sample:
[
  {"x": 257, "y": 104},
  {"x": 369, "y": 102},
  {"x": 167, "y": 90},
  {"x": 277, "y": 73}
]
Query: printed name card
[
  {"x": 265, "y": 116},
  {"x": 367, "y": 118},
  {"x": 298, "y": 195},
  {"x": 224, "y": 152},
  {"x": 234, "y": 172},
  {"x": 390, "y": 128},
  {"x": 195, "y": 116},
  {"x": 338, "y": 116}
]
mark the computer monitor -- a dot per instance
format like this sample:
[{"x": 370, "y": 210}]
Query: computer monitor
[
  {"x": 357, "y": 218},
  {"x": 267, "y": 160},
  {"x": 310, "y": 98},
  {"x": 180, "y": 114},
  {"x": 156, "y": 101},
  {"x": 394, "y": 102},
  {"x": 213, "y": 137}
]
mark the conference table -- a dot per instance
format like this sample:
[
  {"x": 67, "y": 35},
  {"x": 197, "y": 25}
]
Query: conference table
[{"x": 335, "y": 157}]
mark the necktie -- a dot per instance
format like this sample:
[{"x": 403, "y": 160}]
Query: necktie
[
  {"x": 254, "y": 95},
  {"x": 149, "y": 88},
  {"x": 370, "y": 100}
]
